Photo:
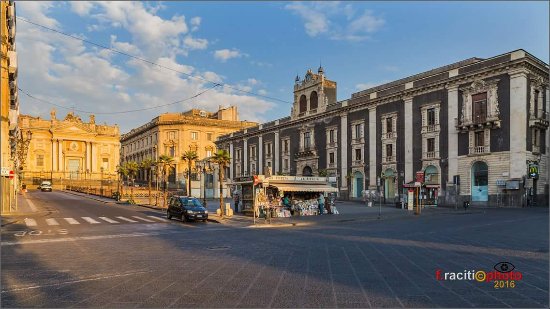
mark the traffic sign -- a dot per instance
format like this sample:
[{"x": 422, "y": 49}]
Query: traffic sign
[
  {"x": 5, "y": 171},
  {"x": 420, "y": 176},
  {"x": 12, "y": 174},
  {"x": 533, "y": 170}
]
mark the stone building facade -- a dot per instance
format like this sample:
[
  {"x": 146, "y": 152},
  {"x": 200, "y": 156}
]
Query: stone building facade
[
  {"x": 173, "y": 134},
  {"x": 70, "y": 150},
  {"x": 474, "y": 128}
]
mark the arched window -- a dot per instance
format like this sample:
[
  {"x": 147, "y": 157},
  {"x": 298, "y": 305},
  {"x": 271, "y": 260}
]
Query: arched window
[
  {"x": 303, "y": 104},
  {"x": 307, "y": 171},
  {"x": 313, "y": 100}
]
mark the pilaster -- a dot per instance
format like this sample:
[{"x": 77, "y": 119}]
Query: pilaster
[
  {"x": 344, "y": 151},
  {"x": 277, "y": 155},
  {"x": 409, "y": 170},
  {"x": 260, "y": 154},
  {"x": 452, "y": 133},
  {"x": 372, "y": 146},
  {"x": 518, "y": 127},
  {"x": 245, "y": 155},
  {"x": 231, "y": 156}
]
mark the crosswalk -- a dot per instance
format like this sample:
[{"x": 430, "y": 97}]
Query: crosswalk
[{"x": 30, "y": 222}]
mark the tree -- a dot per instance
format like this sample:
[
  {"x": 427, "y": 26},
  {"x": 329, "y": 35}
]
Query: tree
[
  {"x": 146, "y": 165},
  {"x": 165, "y": 163},
  {"x": 122, "y": 171},
  {"x": 222, "y": 159},
  {"x": 190, "y": 157},
  {"x": 132, "y": 167}
]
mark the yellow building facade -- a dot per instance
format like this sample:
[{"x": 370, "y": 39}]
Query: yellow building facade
[
  {"x": 9, "y": 108},
  {"x": 69, "y": 150},
  {"x": 173, "y": 134}
]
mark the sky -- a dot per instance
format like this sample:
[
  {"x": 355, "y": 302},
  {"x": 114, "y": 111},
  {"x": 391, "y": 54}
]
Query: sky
[{"x": 256, "y": 47}]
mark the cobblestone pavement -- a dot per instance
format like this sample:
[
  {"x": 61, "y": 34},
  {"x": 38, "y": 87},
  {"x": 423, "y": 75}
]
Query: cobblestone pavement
[{"x": 380, "y": 263}]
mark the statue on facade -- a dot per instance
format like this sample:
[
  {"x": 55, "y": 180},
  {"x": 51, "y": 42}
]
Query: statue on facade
[
  {"x": 92, "y": 119},
  {"x": 52, "y": 114}
]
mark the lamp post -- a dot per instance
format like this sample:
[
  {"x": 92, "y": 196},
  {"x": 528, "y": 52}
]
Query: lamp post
[
  {"x": 22, "y": 147},
  {"x": 101, "y": 169},
  {"x": 203, "y": 168}
]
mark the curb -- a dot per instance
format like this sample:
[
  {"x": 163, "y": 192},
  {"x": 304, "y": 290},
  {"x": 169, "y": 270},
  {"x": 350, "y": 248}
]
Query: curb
[{"x": 89, "y": 197}]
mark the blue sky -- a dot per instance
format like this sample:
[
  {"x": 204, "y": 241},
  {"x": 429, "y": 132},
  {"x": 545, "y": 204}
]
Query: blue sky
[{"x": 255, "y": 46}]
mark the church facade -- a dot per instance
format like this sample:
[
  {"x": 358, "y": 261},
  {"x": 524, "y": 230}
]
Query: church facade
[
  {"x": 475, "y": 130},
  {"x": 69, "y": 149}
]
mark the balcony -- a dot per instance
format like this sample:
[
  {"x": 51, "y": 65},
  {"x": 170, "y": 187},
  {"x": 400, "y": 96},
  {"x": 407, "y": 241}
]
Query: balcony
[
  {"x": 478, "y": 121},
  {"x": 358, "y": 163},
  {"x": 332, "y": 165},
  {"x": 332, "y": 145},
  {"x": 430, "y": 128},
  {"x": 268, "y": 155},
  {"x": 430, "y": 155},
  {"x": 390, "y": 159},
  {"x": 358, "y": 140},
  {"x": 286, "y": 152},
  {"x": 479, "y": 150},
  {"x": 306, "y": 152},
  {"x": 539, "y": 119},
  {"x": 536, "y": 149},
  {"x": 389, "y": 135}
]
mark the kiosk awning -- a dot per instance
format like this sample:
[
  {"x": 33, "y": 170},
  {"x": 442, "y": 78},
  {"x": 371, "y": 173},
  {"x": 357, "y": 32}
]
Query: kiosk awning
[{"x": 304, "y": 188}]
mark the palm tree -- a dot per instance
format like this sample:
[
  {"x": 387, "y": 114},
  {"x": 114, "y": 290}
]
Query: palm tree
[
  {"x": 222, "y": 159},
  {"x": 189, "y": 156},
  {"x": 132, "y": 168},
  {"x": 146, "y": 165},
  {"x": 122, "y": 171},
  {"x": 165, "y": 162}
]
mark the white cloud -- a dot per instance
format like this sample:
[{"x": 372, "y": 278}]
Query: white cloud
[
  {"x": 194, "y": 44},
  {"x": 36, "y": 11},
  {"x": 225, "y": 54},
  {"x": 67, "y": 72},
  {"x": 335, "y": 20},
  {"x": 82, "y": 8},
  {"x": 262, "y": 92},
  {"x": 195, "y": 23},
  {"x": 253, "y": 81}
]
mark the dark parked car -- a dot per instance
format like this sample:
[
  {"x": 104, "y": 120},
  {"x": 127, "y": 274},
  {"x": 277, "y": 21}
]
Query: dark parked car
[{"x": 186, "y": 208}]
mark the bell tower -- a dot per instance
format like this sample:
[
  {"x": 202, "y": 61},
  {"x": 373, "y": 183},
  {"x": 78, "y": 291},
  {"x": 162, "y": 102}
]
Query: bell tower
[{"x": 312, "y": 94}]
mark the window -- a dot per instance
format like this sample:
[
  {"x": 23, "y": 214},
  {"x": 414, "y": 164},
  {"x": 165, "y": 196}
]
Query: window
[
  {"x": 172, "y": 151},
  {"x": 285, "y": 146},
  {"x": 253, "y": 168},
  {"x": 430, "y": 143},
  {"x": 430, "y": 114},
  {"x": 358, "y": 130},
  {"x": 303, "y": 104},
  {"x": 208, "y": 153},
  {"x": 172, "y": 135},
  {"x": 331, "y": 136},
  {"x": 238, "y": 155},
  {"x": 536, "y": 138},
  {"x": 194, "y": 136},
  {"x": 479, "y": 138},
  {"x": 105, "y": 164},
  {"x": 358, "y": 154},
  {"x": 39, "y": 160},
  {"x": 389, "y": 150},
  {"x": 307, "y": 140},
  {"x": 252, "y": 152},
  {"x": 209, "y": 136},
  {"x": 479, "y": 111},
  {"x": 331, "y": 158},
  {"x": 268, "y": 163},
  {"x": 389, "y": 124},
  {"x": 268, "y": 149},
  {"x": 285, "y": 164},
  {"x": 536, "y": 102}
]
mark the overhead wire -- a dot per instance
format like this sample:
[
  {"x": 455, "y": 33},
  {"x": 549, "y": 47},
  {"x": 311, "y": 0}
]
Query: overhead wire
[{"x": 150, "y": 62}]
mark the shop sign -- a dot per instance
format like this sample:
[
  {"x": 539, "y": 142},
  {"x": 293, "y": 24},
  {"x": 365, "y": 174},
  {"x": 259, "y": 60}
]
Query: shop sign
[
  {"x": 332, "y": 179},
  {"x": 533, "y": 170},
  {"x": 420, "y": 176},
  {"x": 512, "y": 185},
  {"x": 501, "y": 182},
  {"x": 298, "y": 178}
]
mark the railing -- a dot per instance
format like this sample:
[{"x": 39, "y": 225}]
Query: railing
[
  {"x": 539, "y": 118},
  {"x": 388, "y": 135},
  {"x": 479, "y": 149},
  {"x": 536, "y": 149},
  {"x": 268, "y": 155},
  {"x": 358, "y": 140},
  {"x": 430, "y": 128},
  {"x": 431, "y": 154},
  {"x": 333, "y": 144},
  {"x": 480, "y": 118},
  {"x": 389, "y": 159},
  {"x": 332, "y": 165},
  {"x": 539, "y": 114},
  {"x": 357, "y": 162}
]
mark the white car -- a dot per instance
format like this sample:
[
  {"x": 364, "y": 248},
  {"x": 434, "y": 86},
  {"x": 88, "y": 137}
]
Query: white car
[{"x": 46, "y": 186}]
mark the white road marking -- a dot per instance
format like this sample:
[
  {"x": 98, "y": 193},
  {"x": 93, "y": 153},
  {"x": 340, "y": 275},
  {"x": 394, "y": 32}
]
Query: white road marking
[
  {"x": 71, "y": 221},
  {"x": 30, "y": 222},
  {"x": 108, "y": 220},
  {"x": 126, "y": 219},
  {"x": 143, "y": 219},
  {"x": 90, "y": 220},
  {"x": 64, "y": 239},
  {"x": 31, "y": 205},
  {"x": 52, "y": 221},
  {"x": 159, "y": 218}
]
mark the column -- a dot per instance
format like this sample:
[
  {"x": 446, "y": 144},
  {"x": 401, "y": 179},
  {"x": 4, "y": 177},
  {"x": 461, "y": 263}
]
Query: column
[
  {"x": 54, "y": 155},
  {"x": 452, "y": 133},
  {"x": 518, "y": 127},
  {"x": 547, "y": 133},
  {"x": 277, "y": 157},
  {"x": 93, "y": 160},
  {"x": 409, "y": 168},
  {"x": 344, "y": 152},
  {"x": 260, "y": 154},
  {"x": 372, "y": 146},
  {"x": 245, "y": 156},
  {"x": 231, "y": 155},
  {"x": 60, "y": 163}
]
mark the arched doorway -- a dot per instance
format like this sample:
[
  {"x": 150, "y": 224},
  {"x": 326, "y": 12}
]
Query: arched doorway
[
  {"x": 357, "y": 184},
  {"x": 307, "y": 171},
  {"x": 389, "y": 184},
  {"x": 480, "y": 182}
]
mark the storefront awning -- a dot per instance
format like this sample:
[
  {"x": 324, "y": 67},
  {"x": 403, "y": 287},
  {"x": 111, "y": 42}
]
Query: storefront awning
[{"x": 305, "y": 188}]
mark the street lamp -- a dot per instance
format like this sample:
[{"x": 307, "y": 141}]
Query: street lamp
[{"x": 22, "y": 148}]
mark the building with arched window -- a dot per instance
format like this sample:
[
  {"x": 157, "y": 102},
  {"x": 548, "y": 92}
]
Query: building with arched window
[{"x": 476, "y": 129}]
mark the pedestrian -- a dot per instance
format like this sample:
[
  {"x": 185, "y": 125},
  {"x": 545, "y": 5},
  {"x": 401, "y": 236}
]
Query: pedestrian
[
  {"x": 236, "y": 202},
  {"x": 286, "y": 202},
  {"x": 321, "y": 203}
]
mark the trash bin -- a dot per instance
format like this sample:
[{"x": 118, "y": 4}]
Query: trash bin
[{"x": 466, "y": 204}]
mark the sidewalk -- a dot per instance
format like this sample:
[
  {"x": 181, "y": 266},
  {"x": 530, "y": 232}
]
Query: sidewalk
[{"x": 25, "y": 207}]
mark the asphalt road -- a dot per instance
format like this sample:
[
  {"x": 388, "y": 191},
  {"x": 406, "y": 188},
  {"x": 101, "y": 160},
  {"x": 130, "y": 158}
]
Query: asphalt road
[{"x": 386, "y": 263}]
